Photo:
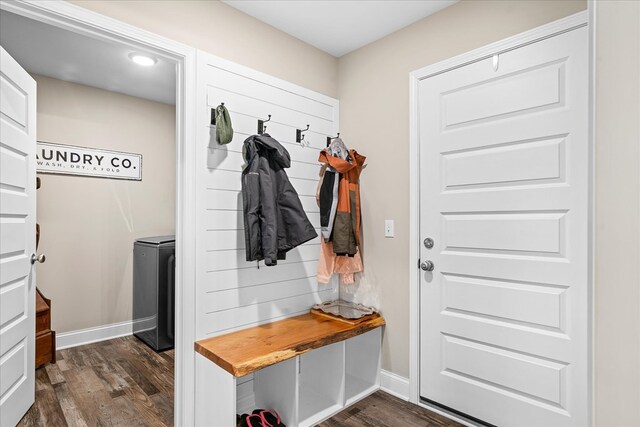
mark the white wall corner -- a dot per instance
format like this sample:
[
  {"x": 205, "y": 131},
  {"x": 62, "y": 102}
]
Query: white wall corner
[
  {"x": 394, "y": 384},
  {"x": 91, "y": 335}
]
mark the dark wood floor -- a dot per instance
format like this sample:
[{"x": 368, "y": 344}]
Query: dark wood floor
[
  {"x": 119, "y": 382},
  {"x": 383, "y": 410},
  {"x": 123, "y": 383}
]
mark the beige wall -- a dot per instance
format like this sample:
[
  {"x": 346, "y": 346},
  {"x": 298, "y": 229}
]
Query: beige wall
[
  {"x": 88, "y": 224},
  {"x": 224, "y": 31},
  {"x": 374, "y": 117},
  {"x": 617, "y": 240}
]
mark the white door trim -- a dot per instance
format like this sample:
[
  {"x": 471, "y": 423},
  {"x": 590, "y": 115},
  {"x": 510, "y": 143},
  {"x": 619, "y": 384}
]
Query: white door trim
[
  {"x": 560, "y": 26},
  {"x": 82, "y": 21}
]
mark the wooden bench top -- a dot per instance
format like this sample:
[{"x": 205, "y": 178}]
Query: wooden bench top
[{"x": 248, "y": 350}]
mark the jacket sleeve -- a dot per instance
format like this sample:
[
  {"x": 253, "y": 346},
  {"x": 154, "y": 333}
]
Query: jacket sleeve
[
  {"x": 268, "y": 215},
  {"x": 251, "y": 207}
]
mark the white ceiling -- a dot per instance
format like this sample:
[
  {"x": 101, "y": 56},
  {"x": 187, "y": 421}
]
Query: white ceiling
[
  {"x": 339, "y": 27},
  {"x": 64, "y": 55}
]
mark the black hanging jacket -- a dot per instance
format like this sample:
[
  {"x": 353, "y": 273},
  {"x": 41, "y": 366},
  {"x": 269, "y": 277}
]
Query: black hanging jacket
[{"x": 274, "y": 221}]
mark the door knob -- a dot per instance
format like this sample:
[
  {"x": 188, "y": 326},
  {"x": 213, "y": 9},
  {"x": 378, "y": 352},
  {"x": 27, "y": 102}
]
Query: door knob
[
  {"x": 38, "y": 258},
  {"x": 427, "y": 265}
]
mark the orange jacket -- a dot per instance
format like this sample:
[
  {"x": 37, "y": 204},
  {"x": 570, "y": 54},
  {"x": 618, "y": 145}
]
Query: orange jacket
[{"x": 346, "y": 229}]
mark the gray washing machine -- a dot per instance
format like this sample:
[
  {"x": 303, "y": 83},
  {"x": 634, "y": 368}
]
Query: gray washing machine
[{"x": 154, "y": 289}]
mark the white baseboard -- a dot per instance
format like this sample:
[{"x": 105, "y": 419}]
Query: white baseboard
[
  {"x": 394, "y": 384},
  {"x": 91, "y": 335}
]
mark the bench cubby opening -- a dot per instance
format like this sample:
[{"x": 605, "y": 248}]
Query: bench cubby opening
[
  {"x": 275, "y": 388},
  {"x": 362, "y": 365},
  {"x": 321, "y": 387}
]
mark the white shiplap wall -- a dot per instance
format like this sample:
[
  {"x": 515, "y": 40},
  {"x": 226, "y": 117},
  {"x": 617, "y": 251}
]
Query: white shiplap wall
[{"x": 232, "y": 293}]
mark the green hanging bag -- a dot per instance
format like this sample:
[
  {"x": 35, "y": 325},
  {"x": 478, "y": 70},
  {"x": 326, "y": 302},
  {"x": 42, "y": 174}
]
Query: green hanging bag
[{"x": 224, "y": 130}]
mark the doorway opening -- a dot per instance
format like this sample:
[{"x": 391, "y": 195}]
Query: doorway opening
[{"x": 125, "y": 119}]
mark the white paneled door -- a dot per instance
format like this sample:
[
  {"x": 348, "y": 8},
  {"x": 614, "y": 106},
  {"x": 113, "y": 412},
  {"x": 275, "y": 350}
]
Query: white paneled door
[
  {"x": 504, "y": 178},
  {"x": 17, "y": 240}
]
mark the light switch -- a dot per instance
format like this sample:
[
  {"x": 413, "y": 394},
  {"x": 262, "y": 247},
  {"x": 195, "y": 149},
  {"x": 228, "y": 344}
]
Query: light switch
[{"x": 388, "y": 228}]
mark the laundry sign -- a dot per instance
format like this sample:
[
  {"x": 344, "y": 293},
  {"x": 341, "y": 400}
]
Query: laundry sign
[{"x": 72, "y": 160}]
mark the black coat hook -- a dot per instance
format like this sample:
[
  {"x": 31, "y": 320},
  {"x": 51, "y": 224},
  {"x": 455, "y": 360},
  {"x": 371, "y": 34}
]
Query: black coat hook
[
  {"x": 213, "y": 114},
  {"x": 261, "y": 127},
  {"x": 329, "y": 138},
  {"x": 299, "y": 134}
]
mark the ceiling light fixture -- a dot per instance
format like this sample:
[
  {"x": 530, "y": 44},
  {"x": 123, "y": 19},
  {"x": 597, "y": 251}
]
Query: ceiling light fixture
[{"x": 142, "y": 59}]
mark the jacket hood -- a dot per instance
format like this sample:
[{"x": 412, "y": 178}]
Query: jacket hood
[{"x": 269, "y": 146}]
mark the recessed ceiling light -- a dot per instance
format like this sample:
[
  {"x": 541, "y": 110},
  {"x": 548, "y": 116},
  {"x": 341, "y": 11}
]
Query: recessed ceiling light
[{"x": 142, "y": 59}]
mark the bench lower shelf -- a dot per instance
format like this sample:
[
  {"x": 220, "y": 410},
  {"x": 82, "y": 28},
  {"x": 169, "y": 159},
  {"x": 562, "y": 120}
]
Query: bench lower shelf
[
  {"x": 316, "y": 407},
  {"x": 357, "y": 389}
]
